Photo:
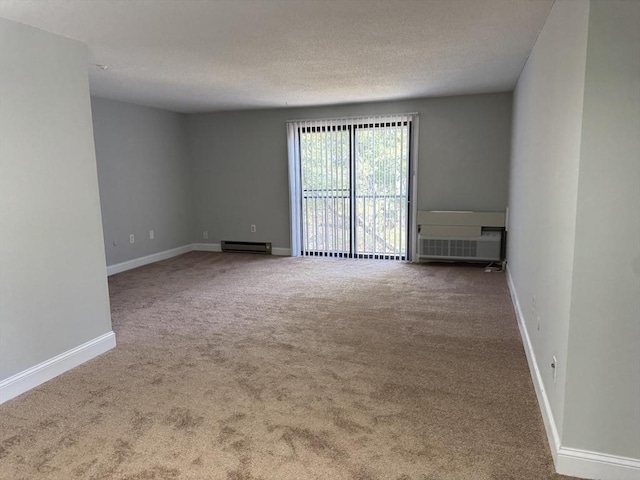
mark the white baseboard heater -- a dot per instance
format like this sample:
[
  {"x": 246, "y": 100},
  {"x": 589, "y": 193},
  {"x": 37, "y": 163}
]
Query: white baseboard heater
[
  {"x": 460, "y": 236},
  {"x": 246, "y": 247}
]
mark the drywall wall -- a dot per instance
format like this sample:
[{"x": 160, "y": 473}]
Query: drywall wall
[
  {"x": 602, "y": 403},
  {"x": 547, "y": 123},
  {"x": 53, "y": 282},
  {"x": 144, "y": 178},
  {"x": 239, "y": 161}
]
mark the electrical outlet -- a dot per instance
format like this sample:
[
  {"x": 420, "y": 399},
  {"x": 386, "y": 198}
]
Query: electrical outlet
[
  {"x": 253, "y": 229},
  {"x": 554, "y": 367},
  {"x": 132, "y": 238},
  {"x": 152, "y": 235},
  {"x": 205, "y": 235}
]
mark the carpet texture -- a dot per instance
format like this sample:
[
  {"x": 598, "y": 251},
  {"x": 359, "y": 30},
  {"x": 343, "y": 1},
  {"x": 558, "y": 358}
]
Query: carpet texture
[{"x": 242, "y": 367}]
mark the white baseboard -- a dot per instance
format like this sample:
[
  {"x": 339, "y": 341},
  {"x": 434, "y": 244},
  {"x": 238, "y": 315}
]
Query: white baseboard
[
  {"x": 139, "y": 262},
  {"x": 569, "y": 461},
  {"x": 174, "y": 252},
  {"x": 541, "y": 394},
  {"x": 45, "y": 371},
  {"x": 206, "y": 247},
  {"x": 595, "y": 465}
]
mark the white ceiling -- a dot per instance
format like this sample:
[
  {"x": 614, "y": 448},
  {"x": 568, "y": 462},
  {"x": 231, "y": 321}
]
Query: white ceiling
[{"x": 207, "y": 55}]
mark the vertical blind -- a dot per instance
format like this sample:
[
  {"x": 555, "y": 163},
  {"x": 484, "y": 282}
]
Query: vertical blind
[{"x": 352, "y": 183}]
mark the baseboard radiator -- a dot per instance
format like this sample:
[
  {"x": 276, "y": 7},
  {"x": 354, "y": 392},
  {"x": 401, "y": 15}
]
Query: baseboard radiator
[{"x": 246, "y": 247}]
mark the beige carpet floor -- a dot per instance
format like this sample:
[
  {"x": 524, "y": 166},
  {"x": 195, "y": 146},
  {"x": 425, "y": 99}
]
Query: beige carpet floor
[{"x": 241, "y": 367}]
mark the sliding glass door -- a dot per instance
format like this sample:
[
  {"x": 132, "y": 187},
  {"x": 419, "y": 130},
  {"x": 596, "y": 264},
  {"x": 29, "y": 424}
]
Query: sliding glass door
[{"x": 354, "y": 188}]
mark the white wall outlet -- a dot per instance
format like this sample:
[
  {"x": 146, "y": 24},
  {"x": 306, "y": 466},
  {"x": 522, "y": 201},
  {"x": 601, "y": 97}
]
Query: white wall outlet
[
  {"x": 554, "y": 367},
  {"x": 152, "y": 235},
  {"x": 132, "y": 238},
  {"x": 253, "y": 229},
  {"x": 205, "y": 235}
]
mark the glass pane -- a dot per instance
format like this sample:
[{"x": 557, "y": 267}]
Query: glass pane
[
  {"x": 325, "y": 190},
  {"x": 381, "y": 189}
]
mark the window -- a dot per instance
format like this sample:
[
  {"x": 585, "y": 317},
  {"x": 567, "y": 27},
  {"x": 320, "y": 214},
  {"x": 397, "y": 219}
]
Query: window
[{"x": 352, "y": 187}]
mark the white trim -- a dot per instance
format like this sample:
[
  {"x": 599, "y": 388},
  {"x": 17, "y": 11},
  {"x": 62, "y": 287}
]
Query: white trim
[
  {"x": 139, "y": 262},
  {"x": 412, "y": 254},
  {"x": 569, "y": 461},
  {"x": 543, "y": 400},
  {"x": 45, "y": 371},
  {"x": 295, "y": 194},
  {"x": 174, "y": 252},
  {"x": 206, "y": 247},
  {"x": 595, "y": 465}
]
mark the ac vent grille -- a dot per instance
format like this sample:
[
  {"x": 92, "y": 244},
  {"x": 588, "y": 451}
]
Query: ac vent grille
[
  {"x": 451, "y": 248},
  {"x": 485, "y": 247},
  {"x": 463, "y": 248}
]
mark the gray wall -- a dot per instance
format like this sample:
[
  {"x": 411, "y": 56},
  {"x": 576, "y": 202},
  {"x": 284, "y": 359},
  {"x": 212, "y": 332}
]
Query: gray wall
[
  {"x": 52, "y": 265},
  {"x": 547, "y": 123},
  {"x": 574, "y": 235},
  {"x": 239, "y": 161},
  {"x": 144, "y": 177},
  {"x": 602, "y": 410}
]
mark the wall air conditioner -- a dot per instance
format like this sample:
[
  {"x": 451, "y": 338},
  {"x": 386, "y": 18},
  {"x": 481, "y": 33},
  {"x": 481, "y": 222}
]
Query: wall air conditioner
[{"x": 460, "y": 236}]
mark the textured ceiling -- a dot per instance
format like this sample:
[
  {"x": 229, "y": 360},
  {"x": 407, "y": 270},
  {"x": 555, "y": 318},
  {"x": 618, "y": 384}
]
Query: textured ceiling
[{"x": 206, "y": 55}]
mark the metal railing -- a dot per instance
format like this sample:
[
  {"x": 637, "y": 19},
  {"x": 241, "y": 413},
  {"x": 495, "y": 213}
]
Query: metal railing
[{"x": 379, "y": 222}]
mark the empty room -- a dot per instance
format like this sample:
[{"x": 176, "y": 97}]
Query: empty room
[{"x": 320, "y": 239}]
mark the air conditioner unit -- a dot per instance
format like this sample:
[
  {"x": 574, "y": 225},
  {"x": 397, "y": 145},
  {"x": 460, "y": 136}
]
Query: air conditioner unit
[
  {"x": 460, "y": 235},
  {"x": 486, "y": 247}
]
